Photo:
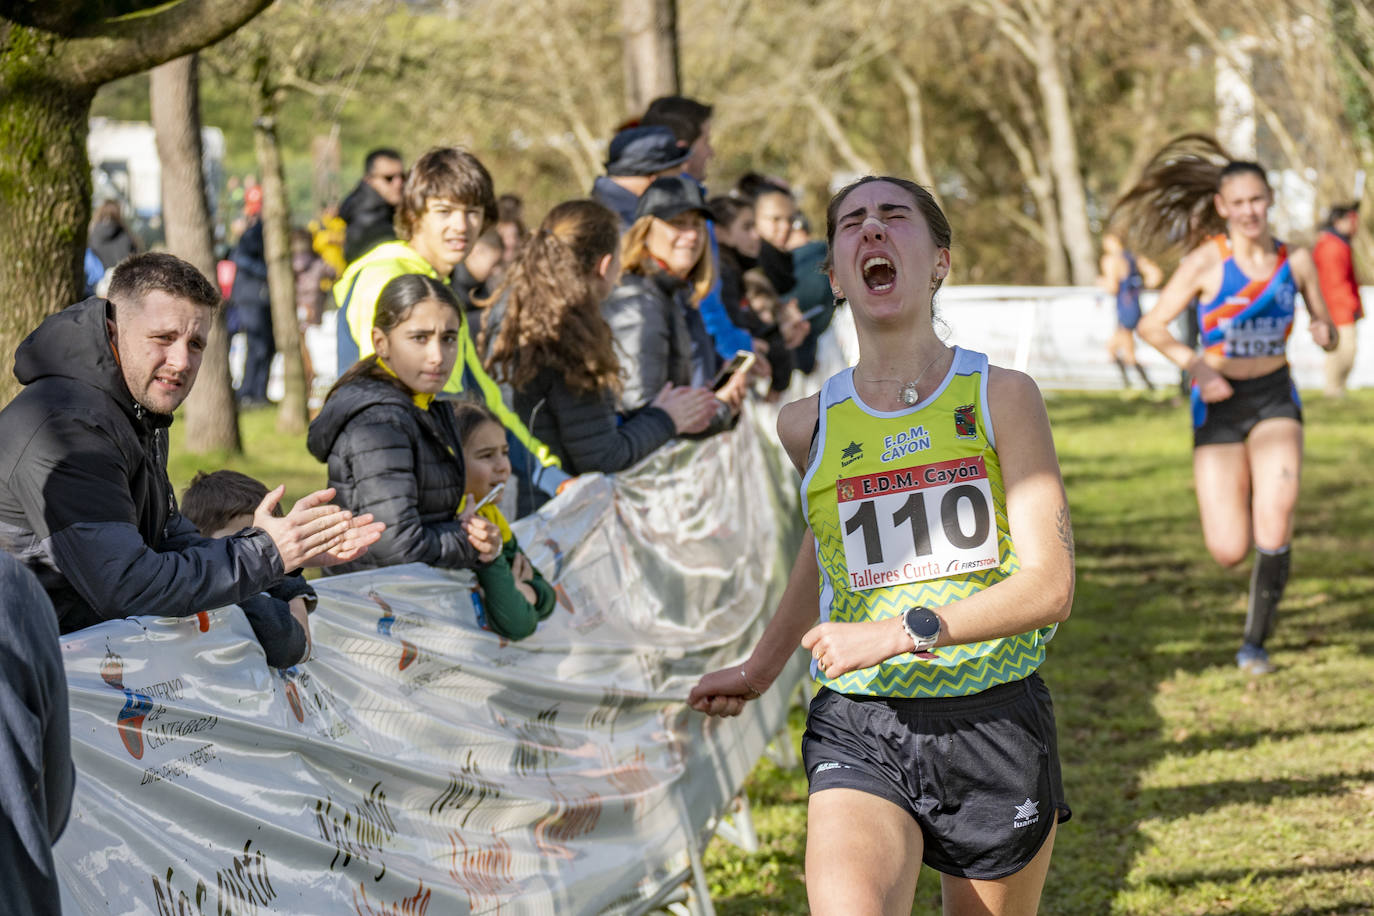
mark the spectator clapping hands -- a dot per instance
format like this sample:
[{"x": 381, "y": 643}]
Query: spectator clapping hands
[{"x": 315, "y": 533}]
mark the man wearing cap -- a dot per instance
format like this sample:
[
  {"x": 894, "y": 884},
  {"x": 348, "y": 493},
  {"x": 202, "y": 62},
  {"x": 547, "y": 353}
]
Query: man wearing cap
[{"x": 638, "y": 155}]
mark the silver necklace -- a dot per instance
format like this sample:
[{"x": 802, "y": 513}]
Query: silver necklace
[{"x": 909, "y": 393}]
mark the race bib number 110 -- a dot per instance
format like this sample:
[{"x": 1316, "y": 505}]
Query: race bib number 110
[{"x": 912, "y": 524}]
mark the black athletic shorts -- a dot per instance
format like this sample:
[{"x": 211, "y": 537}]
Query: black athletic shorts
[
  {"x": 980, "y": 774},
  {"x": 1252, "y": 400}
]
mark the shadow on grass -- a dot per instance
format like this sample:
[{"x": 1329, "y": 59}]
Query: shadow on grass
[
  {"x": 1239, "y": 741},
  {"x": 1176, "y": 802},
  {"x": 1189, "y": 878}
]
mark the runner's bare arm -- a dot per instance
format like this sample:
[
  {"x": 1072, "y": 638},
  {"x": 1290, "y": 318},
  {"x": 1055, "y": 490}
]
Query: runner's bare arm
[
  {"x": 1305, "y": 273},
  {"x": 1150, "y": 272},
  {"x": 1177, "y": 295},
  {"x": 1038, "y": 594},
  {"x": 723, "y": 692},
  {"x": 1041, "y": 591}
]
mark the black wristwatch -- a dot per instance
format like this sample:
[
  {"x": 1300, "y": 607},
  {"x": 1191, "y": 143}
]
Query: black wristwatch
[{"x": 922, "y": 626}]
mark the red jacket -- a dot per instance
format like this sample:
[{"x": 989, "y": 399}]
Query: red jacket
[{"x": 1336, "y": 276}]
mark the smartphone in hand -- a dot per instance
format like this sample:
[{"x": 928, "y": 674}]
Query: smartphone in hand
[
  {"x": 740, "y": 362},
  {"x": 492, "y": 494}
]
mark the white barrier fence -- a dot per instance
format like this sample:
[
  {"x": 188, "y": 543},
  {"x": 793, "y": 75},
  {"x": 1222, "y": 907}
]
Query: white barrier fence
[
  {"x": 421, "y": 765},
  {"x": 1059, "y": 336}
]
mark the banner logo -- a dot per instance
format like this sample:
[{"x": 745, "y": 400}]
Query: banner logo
[
  {"x": 129, "y": 722},
  {"x": 408, "y": 650}
]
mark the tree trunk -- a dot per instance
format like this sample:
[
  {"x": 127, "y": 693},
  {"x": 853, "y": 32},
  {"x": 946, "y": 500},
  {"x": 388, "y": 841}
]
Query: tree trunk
[
  {"x": 1073, "y": 201},
  {"x": 47, "y": 82},
  {"x": 649, "y": 28},
  {"x": 1031, "y": 156},
  {"x": 293, "y": 412},
  {"x": 212, "y": 423},
  {"x": 45, "y": 196}
]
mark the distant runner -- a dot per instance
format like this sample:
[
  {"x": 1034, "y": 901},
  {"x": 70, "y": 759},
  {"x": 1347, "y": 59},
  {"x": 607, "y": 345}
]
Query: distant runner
[{"x": 1247, "y": 419}]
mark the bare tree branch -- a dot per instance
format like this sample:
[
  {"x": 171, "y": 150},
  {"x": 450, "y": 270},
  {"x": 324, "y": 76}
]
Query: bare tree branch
[{"x": 133, "y": 44}]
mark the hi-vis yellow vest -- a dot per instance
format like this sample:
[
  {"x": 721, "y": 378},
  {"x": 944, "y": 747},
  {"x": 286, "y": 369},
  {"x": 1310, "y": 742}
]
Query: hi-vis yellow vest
[{"x": 908, "y": 509}]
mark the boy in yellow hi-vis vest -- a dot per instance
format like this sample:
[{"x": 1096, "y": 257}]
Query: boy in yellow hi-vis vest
[{"x": 447, "y": 200}]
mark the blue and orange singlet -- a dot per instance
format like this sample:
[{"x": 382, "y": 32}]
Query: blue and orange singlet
[{"x": 1249, "y": 317}]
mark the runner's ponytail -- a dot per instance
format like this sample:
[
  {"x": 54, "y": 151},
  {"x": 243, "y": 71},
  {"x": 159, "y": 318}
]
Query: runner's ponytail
[{"x": 1171, "y": 205}]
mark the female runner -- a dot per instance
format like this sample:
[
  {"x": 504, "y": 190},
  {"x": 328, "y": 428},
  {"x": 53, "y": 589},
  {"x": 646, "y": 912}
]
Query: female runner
[
  {"x": 1247, "y": 419},
  {"x": 939, "y": 533}
]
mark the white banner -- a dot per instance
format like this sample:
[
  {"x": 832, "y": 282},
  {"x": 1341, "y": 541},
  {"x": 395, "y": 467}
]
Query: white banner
[
  {"x": 418, "y": 764},
  {"x": 1059, "y": 336}
]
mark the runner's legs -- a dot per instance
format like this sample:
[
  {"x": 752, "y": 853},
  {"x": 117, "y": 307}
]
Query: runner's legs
[
  {"x": 1274, "y": 452},
  {"x": 1221, "y": 474},
  {"x": 863, "y": 855},
  {"x": 1014, "y": 895}
]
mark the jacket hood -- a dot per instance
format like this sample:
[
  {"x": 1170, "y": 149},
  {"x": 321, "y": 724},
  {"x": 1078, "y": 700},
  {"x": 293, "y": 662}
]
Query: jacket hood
[
  {"x": 346, "y": 403},
  {"x": 75, "y": 344},
  {"x": 364, "y": 204}
]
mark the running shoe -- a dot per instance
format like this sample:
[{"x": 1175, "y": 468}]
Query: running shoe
[{"x": 1253, "y": 660}]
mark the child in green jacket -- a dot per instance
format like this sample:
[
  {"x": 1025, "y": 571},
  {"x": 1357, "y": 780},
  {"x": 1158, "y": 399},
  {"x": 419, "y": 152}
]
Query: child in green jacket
[{"x": 514, "y": 596}]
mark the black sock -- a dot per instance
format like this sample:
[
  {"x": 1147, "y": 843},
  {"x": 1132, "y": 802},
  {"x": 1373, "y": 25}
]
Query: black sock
[
  {"x": 1267, "y": 581},
  {"x": 1121, "y": 366},
  {"x": 1143, "y": 377}
]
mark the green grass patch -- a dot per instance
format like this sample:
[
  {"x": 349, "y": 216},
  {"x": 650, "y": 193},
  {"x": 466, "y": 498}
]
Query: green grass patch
[
  {"x": 1195, "y": 790},
  {"x": 267, "y": 455}
]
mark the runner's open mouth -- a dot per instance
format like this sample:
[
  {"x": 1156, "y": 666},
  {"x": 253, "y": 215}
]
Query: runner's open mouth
[{"x": 879, "y": 274}]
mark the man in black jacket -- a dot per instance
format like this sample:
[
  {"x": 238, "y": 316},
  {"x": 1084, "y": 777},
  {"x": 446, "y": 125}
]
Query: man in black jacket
[
  {"x": 85, "y": 501},
  {"x": 369, "y": 210}
]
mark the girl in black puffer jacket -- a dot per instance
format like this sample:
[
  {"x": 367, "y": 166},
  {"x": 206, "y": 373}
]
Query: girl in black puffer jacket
[{"x": 391, "y": 447}]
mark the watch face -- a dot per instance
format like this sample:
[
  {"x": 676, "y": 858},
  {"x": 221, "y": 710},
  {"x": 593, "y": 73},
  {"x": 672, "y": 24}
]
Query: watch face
[{"x": 923, "y": 622}]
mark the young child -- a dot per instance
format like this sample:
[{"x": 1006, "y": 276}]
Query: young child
[
  {"x": 514, "y": 596},
  {"x": 222, "y": 503}
]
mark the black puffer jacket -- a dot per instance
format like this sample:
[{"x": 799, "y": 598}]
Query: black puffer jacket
[
  {"x": 402, "y": 463},
  {"x": 35, "y": 745},
  {"x": 660, "y": 338},
  {"x": 84, "y": 497},
  {"x": 584, "y": 431},
  {"x": 651, "y": 335},
  {"x": 368, "y": 221}
]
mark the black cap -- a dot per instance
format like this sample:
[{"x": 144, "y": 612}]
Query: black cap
[
  {"x": 644, "y": 151},
  {"x": 670, "y": 196}
]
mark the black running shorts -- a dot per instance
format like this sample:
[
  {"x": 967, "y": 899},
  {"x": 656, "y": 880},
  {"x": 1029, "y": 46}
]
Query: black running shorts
[
  {"x": 1252, "y": 400},
  {"x": 980, "y": 774}
]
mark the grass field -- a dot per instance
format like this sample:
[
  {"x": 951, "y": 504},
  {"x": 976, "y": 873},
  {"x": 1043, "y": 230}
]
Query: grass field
[
  {"x": 268, "y": 456},
  {"x": 1194, "y": 789}
]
